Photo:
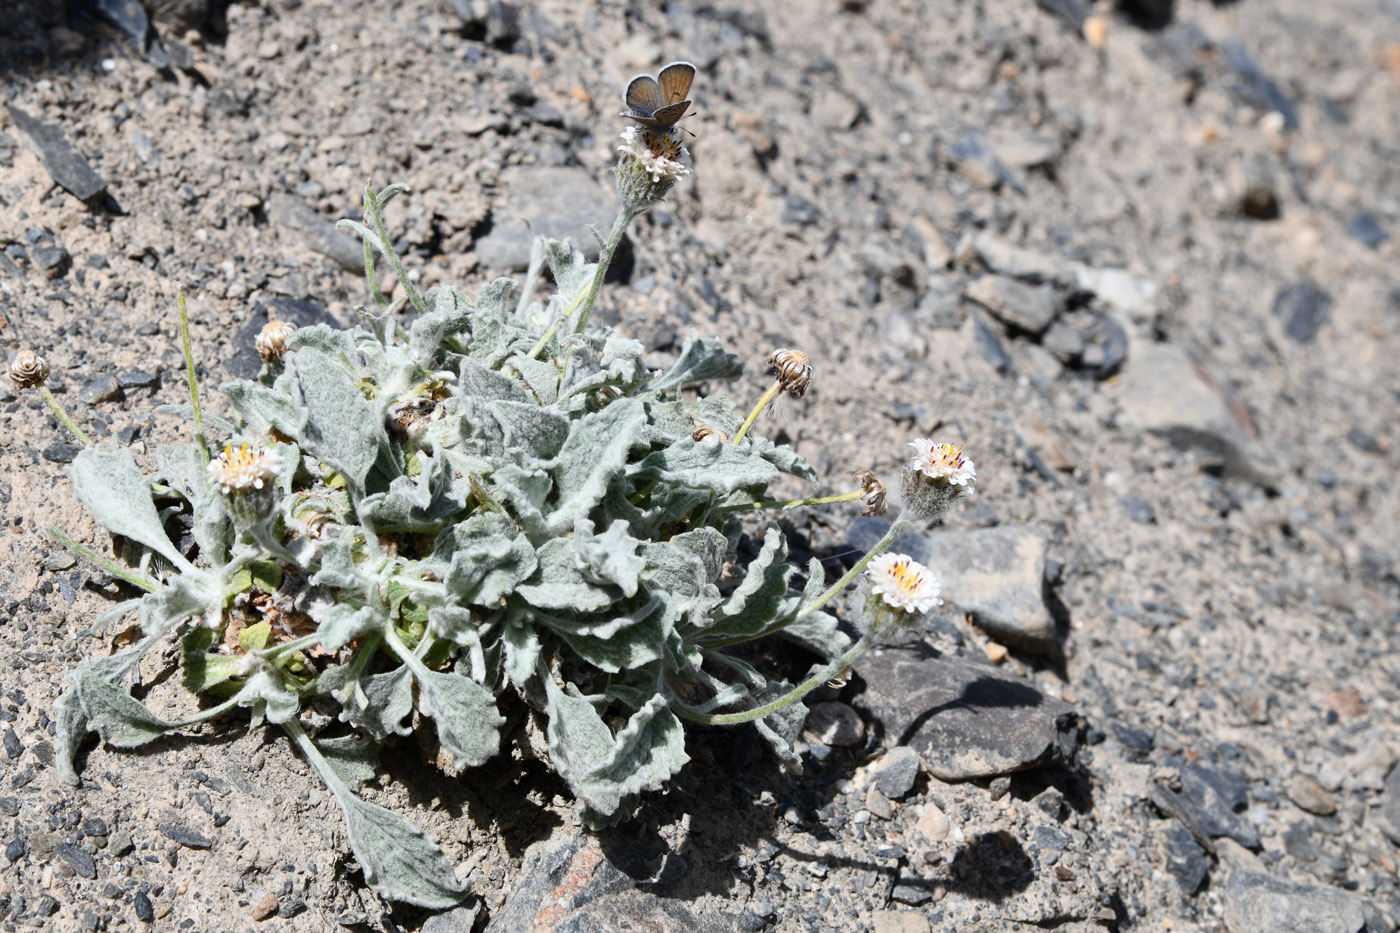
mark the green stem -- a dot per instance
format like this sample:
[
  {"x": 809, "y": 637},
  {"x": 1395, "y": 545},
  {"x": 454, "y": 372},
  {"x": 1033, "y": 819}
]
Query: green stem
[
  {"x": 787, "y": 699},
  {"x": 539, "y": 346},
  {"x": 314, "y": 758},
  {"x": 203, "y": 445},
  {"x": 753, "y": 415},
  {"x": 288, "y": 647},
  {"x": 624, "y": 217},
  {"x": 789, "y": 503},
  {"x": 393, "y": 257},
  {"x": 107, "y": 566},
  {"x": 63, "y": 416}
]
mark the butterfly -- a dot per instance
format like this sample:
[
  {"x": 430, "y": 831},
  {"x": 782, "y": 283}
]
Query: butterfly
[{"x": 659, "y": 102}]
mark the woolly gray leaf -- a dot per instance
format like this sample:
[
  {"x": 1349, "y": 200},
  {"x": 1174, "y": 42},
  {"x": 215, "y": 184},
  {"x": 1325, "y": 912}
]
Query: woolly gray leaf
[
  {"x": 781, "y": 727},
  {"x": 380, "y": 703},
  {"x": 759, "y": 599},
  {"x": 612, "y": 556},
  {"x": 343, "y": 623},
  {"x": 616, "y": 643},
  {"x": 416, "y": 503},
  {"x": 337, "y": 565},
  {"x": 468, "y": 723},
  {"x": 561, "y": 581},
  {"x": 720, "y": 468},
  {"x": 341, "y": 427},
  {"x": 484, "y": 384},
  {"x": 596, "y": 449},
  {"x": 522, "y": 650},
  {"x": 119, "y": 497},
  {"x": 525, "y": 491},
  {"x": 353, "y": 757},
  {"x": 538, "y": 432},
  {"x": 542, "y": 376},
  {"x": 400, "y": 861},
  {"x": 702, "y": 360},
  {"x": 486, "y": 558}
]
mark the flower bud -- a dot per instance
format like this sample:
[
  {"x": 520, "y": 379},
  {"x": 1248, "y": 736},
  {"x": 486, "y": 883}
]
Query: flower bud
[
  {"x": 706, "y": 433},
  {"x": 272, "y": 339},
  {"x": 28, "y": 369},
  {"x": 649, "y": 163},
  {"x": 794, "y": 372}
]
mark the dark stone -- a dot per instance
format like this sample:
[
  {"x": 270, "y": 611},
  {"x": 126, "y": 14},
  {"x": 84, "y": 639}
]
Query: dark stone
[
  {"x": 138, "y": 380},
  {"x": 145, "y": 910},
  {"x": 291, "y": 906},
  {"x": 1366, "y": 228},
  {"x": 1254, "y": 901},
  {"x": 80, "y": 859},
  {"x": 101, "y": 389},
  {"x": 1138, "y": 509},
  {"x": 971, "y": 158},
  {"x": 54, "y": 261},
  {"x": 1389, "y": 821},
  {"x": 1185, "y": 859},
  {"x": 130, "y": 17},
  {"x": 319, "y": 233},
  {"x": 14, "y": 850},
  {"x": 183, "y": 835},
  {"x": 1071, "y": 12},
  {"x": 601, "y": 893},
  {"x": 1149, "y": 14},
  {"x": 1304, "y": 307},
  {"x": 64, "y": 163},
  {"x": 456, "y": 920},
  {"x": 544, "y": 201},
  {"x": 1297, "y": 842},
  {"x": 1029, "y": 308},
  {"x": 13, "y": 746},
  {"x": 966, "y": 720},
  {"x": 1207, "y": 805},
  {"x": 989, "y": 345},
  {"x": 1140, "y": 741},
  {"x": 61, "y": 453},
  {"x": 1050, "y": 843},
  {"x": 896, "y": 772},
  {"x": 1254, "y": 88},
  {"x": 95, "y": 826},
  {"x": 9, "y": 806},
  {"x": 798, "y": 210}
]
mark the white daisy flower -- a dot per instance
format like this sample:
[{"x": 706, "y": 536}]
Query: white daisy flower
[
  {"x": 242, "y": 468},
  {"x": 903, "y": 583},
  {"x": 943, "y": 462}
]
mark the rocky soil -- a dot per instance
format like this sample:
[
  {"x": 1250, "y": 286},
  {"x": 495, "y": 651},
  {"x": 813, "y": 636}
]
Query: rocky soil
[{"x": 1140, "y": 261}]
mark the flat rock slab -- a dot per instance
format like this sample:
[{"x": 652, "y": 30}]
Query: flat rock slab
[
  {"x": 62, "y": 160},
  {"x": 1165, "y": 392},
  {"x": 318, "y": 233},
  {"x": 997, "y": 575},
  {"x": 1255, "y": 902},
  {"x": 569, "y": 885},
  {"x": 966, "y": 720},
  {"x": 545, "y": 201}
]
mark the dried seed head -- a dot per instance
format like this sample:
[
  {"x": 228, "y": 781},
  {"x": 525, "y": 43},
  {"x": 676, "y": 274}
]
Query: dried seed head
[
  {"x": 28, "y": 369},
  {"x": 872, "y": 492},
  {"x": 272, "y": 339},
  {"x": 794, "y": 372},
  {"x": 706, "y": 433}
]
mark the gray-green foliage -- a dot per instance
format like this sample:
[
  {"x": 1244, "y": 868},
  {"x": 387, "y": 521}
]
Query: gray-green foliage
[{"x": 463, "y": 526}]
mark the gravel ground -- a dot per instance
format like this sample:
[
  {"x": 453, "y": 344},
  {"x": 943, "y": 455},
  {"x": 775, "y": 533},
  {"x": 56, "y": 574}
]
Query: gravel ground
[{"x": 1142, "y": 266}]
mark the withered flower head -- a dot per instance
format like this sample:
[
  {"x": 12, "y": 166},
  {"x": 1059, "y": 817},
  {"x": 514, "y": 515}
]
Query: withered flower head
[
  {"x": 794, "y": 372},
  {"x": 706, "y": 433},
  {"x": 28, "y": 369},
  {"x": 272, "y": 339},
  {"x": 872, "y": 492}
]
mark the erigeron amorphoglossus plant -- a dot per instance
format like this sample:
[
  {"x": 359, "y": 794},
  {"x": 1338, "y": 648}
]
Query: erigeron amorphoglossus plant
[{"x": 492, "y": 517}]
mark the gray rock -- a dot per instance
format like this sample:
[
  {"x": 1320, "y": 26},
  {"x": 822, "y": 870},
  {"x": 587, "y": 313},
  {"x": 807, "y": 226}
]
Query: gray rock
[
  {"x": 834, "y": 723},
  {"x": 1367, "y": 229},
  {"x": 1138, "y": 509},
  {"x": 835, "y": 111},
  {"x": 997, "y": 575},
  {"x": 965, "y": 720},
  {"x": 896, "y": 772},
  {"x": 317, "y": 232},
  {"x": 1009, "y": 259},
  {"x": 940, "y": 303},
  {"x": 1165, "y": 392},
  {"x": 1206, "y": 804},
  {"x": 544, "y": 201},
  {"x": 1071, "y": 12},
  {"x": 184, "y": 835},
  {"x": 54, "y": 261},
  {"x": 1389, "y": 818},
  {"x": 1029, "y": 308},
  {"x": 61, "y": 453},
  {"x": 101, "y": 389},
  {"x": 1304, "y": 307},
  {"x": 1064, "y": 340},
  {"x": 61, "y": 159},
  {"x": 989, "y": 345},
  {"x": 1254, "y": 902},
  {"x": 569, "y": 885},
  {"x": 1184, "y": 857},
  {"x": 1309, "y": 795},
  {"x": 973, "y": 159},
  {"x": 457, "y": 920},
  {"x": 245, "y": 362}
]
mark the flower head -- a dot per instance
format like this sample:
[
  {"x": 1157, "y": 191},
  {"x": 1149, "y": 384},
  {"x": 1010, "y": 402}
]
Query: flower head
[
  {"x": 903, "y": 583},
  {"x": 272, "y": 339},
  {"x": 943, "y": 463},
  {"x": 872, "y": 492},
  {"x": 794, "y": 372},
  {"x": 28, "y": 369},
  {"x": 243, "y": 468},
  {"x": 649, "y": 162}
]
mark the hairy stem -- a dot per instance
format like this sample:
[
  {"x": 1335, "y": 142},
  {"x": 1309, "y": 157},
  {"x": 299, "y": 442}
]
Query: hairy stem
[{"x": 768, "y": 396}]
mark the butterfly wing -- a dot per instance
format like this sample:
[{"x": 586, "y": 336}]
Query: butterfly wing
[
  {"x": 643, "y": 96},
  {"x": 668, "y": 115},
  {"x": 673, "y": 83}
]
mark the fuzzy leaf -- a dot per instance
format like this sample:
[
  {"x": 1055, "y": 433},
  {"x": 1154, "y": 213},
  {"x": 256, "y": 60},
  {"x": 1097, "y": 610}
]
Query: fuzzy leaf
[
  {"x": 341, "y": 427},
  {"x": 185, "y": 596},
  {"x": 381, "y": 703},
  {"x": 337, "y": 565},
  {"x": 610, "y": 557},
  {"x": 344, "y": 623},
  {"x": 400, "y": 861},
  {"x": 121, "y": 719},
  {"x": 416, "y": 503},
  {"x": 816, "y": 631},
  {"x": 603, "y": 769},
  {"x": 119, "y": 497},
  {"x": 522, "y": 650},
  {"x": 353, "y": 757},
  {"x": 525, "y": 490},
  {"x": 71, "y": 716},
  {"x": 542, "y": 376},
  {"x": 182, "y": 468},
  {"x": 485, "y": 384},
  {"x": 468, "y": 722},
  {"x": 702, "y": 360},
  {"x": 759, "y": 599},
  {"x": 269, "y": 698},
  {"x": 264, "y": 409},
  {"x": 781, "y": 727},
  {"x": 487, "y": 558},
  {"x": 561, "y": 581},
  {"x": 539, "y": 432},
  {"x": 596, "y": 449},
  {"x": 616, "y": 643},
  {"x": 784, "y": 458},
  {"x": 720, "y": 468},
  {"x": 682, "y": 572}
]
